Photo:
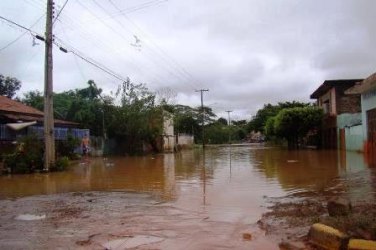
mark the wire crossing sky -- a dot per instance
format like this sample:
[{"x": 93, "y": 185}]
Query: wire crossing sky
[{"x": 246, "y": 52}]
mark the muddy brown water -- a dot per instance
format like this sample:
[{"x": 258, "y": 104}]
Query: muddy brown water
[{"x": 228, "y": 184}]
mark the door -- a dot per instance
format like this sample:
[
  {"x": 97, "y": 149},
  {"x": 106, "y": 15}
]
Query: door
[{"x": 371, "y": 135}]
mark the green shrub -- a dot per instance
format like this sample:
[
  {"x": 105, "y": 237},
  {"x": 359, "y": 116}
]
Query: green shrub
[
  {"x": 28, "y": 156},
  {"x": 66, "y": 147},
  {"x": 61, "y": 164}
]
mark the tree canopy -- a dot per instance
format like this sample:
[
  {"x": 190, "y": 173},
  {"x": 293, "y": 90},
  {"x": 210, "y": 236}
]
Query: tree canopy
[
  {"x": 293, "y": 124},
  {"x": 9, "y": 86},
  {"x": 258, "y": 122}
]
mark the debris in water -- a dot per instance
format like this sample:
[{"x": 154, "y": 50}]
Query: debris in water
[
  {"x": 247, "y": 236},
  {"x": 292, "y": 161},
  {"x": 30, "y": 217}
]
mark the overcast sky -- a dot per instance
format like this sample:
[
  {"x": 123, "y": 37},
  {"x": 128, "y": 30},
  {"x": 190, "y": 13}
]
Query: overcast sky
[{"x": 247, "y": 53}]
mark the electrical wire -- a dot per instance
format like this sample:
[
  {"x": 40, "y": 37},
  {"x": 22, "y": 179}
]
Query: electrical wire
[
  {"x": 174, "y": 72},
  {"x": 72, "y": 50},
  {"x": 58, "y": 14},
  {"x": 19, "y": 37},
  {"x": 96, "y": 41},
  {"x": 177, "y": 66}
]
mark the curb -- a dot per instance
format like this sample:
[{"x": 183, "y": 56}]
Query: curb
[
  {"x": 330, "y": 238},
  {"x": 327, "y": 237}
]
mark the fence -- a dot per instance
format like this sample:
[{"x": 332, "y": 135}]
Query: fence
[{"x": 60, "y": 133}]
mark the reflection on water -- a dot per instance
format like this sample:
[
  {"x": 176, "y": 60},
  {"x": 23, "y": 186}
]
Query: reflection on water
[{"x": 228, "y": 183}]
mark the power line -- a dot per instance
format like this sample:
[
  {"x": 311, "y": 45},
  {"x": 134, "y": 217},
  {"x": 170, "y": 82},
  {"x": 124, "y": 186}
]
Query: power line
[
  {"x": 72, "y": 50},
  {"x": 172, "y": 62},
  {"x": 19, "y": 37},
  {"x": 151, "y": 58},
  {"x": 58, "y": 14},
  {"x": 18, "y": 25}
]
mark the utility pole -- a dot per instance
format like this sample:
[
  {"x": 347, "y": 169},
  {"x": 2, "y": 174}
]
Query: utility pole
[
  {"x": 48, "y": 122},
  {"x": 229, "y": 124},
  {"x": 202, "y": 115}
]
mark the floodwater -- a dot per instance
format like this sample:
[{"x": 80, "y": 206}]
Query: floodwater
[{"x": 230, "y": 184}]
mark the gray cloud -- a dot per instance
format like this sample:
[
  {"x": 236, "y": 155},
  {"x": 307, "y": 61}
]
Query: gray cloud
[{"x": 246, "y": 52}]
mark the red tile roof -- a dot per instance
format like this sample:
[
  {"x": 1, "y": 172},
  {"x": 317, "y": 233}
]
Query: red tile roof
[
  {"x": 9, "y": 105},
  {"x": 18, "y": 111}
]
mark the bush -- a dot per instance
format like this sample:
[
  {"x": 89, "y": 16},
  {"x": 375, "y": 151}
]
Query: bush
[
  {"x": 67, "y": 147},
  {"x": 61, "y": 164},
  {"x": 27, "y": 157}
]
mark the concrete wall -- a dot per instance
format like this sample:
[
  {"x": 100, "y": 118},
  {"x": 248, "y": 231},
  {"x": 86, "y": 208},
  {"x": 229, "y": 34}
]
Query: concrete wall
[
  {"x": 354, "y": 138},
  {"x": 185, "y": 140},
  {"x": 168, "y": 133},
  {"x": 352, "y": 123}
]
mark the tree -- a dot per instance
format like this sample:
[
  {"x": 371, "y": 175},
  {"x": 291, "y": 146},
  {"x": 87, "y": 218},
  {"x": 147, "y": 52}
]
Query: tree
[
  {"x": 85, "y": 106},
  {"x": 137, "y": 121},
  {"x": 258, "y": 122},
  {"x": 293, "y": 124},
  {"x": 9, "y": 86},
  {"x": 222, "y": 121},
  {"x": 34, "y": 99}
]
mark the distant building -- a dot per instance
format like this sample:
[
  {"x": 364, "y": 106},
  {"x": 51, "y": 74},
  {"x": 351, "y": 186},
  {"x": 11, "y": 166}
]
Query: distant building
[
  {"x": 367, "y": 90},
  {"x": 168, "y": 132},
  {"x": 342, "y": 123},
  {"x": 185, "y": 140},
  {"x": 18, "y": 119}
]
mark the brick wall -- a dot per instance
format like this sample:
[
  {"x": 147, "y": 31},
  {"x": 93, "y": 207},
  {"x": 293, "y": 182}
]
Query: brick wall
[{"x": 347, "y": 103}]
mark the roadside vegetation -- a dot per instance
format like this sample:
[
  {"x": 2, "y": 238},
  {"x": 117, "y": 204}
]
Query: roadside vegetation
[
  {"x": 295, "y": 123},
  {"x": 132, "y": 116}
]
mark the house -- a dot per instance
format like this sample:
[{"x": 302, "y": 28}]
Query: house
[
  {"x": 342, "y": 123},
  {"x": 367, "y": 90},
  {"x": 18, "y": 119}
]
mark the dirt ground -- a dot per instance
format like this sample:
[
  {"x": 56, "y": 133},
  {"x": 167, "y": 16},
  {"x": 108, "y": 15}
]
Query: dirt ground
[
  {"x": 291, "y": 220},
  {"x": 117, "y": 220}
]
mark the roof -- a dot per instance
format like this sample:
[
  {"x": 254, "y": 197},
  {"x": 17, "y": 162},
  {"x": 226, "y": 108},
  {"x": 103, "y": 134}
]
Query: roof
[
  {"x": 367, "y": 84},
  {"x": 328, "y": 84},
  {"x": 40, "y": 119},
  {"x": 13, "y": 106},
  {"x": 15, "y": 110}
]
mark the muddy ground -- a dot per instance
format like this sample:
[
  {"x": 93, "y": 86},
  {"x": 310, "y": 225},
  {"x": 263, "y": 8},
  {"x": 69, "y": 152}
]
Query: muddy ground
[
  {"x": 291, "y": 220},
  {"x": 120, "y": 220},
  {"x": 117, "y": 220}
]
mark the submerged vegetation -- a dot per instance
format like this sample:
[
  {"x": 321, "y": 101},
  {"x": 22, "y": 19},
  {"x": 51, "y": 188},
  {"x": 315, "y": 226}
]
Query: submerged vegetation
[{"x": 29, "y": 154}]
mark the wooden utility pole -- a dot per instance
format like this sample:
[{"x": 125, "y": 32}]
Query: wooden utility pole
[
  {"x": 48, "y": 123},
  {"x": 229, "y": 124},
  {"x": 202, "y": 115}
]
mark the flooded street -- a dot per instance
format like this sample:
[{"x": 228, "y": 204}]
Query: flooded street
[{"x": 203, "y": 201}]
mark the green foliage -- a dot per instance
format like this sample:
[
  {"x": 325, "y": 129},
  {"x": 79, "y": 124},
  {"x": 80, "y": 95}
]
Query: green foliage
[
  {"x": 222, "y": 121},
  {"x": 294, "y": 123},
  {"x": 217, "y": 133},
  {"x": 65, "y": 148},
  {"x": 188, "y": 120},
  {"x": 61, "y": 164},
  {"x": 34, "y": 99},
  {"x": 137, "y": 121},
  {"x": 9, "y": 86},
  {"x": 258, "y": 122},
  {"x": 269, "y": 126},
  {"x": 85, "y": 106},
  {"x": 220, "y": 133},
  {"x": 27, "y": 157}
]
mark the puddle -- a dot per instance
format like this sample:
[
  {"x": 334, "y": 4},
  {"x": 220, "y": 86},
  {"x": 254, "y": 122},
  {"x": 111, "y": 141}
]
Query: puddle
[
  {"x": 131, "y": 242},
  {"x": 30, "y": 217}
]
